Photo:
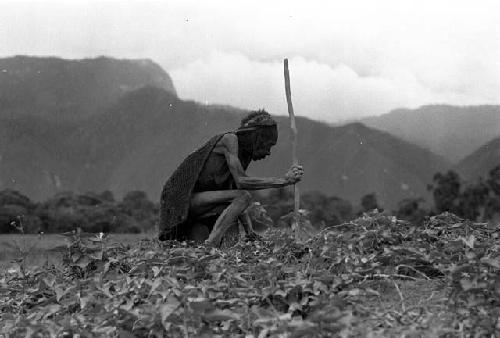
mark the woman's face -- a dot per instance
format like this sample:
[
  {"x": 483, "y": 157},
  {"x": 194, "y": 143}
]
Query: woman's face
[{"x": 265, "y": 139}]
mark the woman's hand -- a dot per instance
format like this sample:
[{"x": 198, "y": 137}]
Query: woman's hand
[{"x": 294, "y": 174}]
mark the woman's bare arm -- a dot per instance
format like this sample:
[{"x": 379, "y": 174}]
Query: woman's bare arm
[{"x": 228, "y": 145}]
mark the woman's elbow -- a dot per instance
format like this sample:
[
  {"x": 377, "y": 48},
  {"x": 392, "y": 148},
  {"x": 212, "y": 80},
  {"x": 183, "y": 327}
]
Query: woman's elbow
[{"x": 239, "y": 184}]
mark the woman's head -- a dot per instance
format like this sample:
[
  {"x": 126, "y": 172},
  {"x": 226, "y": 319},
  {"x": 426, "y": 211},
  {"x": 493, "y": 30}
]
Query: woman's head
[
  {"x": 265, "y": 139},
  {"x": 259, "y": 134}
]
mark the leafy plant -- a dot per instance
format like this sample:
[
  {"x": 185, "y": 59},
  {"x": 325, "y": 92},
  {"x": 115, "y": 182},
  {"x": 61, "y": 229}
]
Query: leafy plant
[{"x": 353, "y": 279}]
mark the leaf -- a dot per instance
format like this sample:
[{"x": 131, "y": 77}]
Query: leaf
[
  {"x": 59, "y": 292},
  {"x": 294, "y": 306},
  {"x": 51, "y": 309},
  {"x": 82, "y": 262},
  {"x": 201, "y": 304},
  {"x": 164, "y": 293},
  {"x": 96, "y": 255},
  {"x": 285, "y": 317},
  {"x": 156, "y": 271},
  {"x": 228, "y": 302},
  {"x": 280, "y": 292},
  {"x": 49, "y": 280},
  {"x": 466, "y": 284},
  {"x": 220, "y": 315},
  {"x": 129, "y": 305},
  {"x": 106, "y": 267},
  {"x": 83, "y": 301},
  {"x": 300, "y": 324},
  {"x": 106, "y": 330},
  {"x": 370, "y": 291},
  {"x": 168, "y": 308},
  {"x": 353, "y": 292},
  {"x": 154, "y": 285},
  {"x": 469, "y": 241},
  {"x": 494, "y": 262},
  {"x": 106, "y": 290},
  {"x": 136, "y": 268}
]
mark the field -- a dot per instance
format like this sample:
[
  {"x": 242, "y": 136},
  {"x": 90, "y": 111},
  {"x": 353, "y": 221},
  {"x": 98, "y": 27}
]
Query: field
[
  {"x": 42, "y": 248},
  {"x": 374, "y": 277}
]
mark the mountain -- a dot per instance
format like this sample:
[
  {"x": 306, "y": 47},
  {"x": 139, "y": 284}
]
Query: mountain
[
  {"x": 450, "y": 131},
  {"x": 107, "y": 124},
  {"x": 69, "y": 90},
  {"x": 152, "y": 132},
  {"x": 479, "y": 163},
  {"x": 137, "y": 143},
  {"x": 353, "y": 160},
  {"x": 33, "y": 152}
]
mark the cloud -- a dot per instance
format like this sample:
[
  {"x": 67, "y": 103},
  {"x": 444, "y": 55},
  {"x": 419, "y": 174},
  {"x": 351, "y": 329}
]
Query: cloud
[
  {"x": 319, "y": 90},
  {"x": 347, "y": 58}
]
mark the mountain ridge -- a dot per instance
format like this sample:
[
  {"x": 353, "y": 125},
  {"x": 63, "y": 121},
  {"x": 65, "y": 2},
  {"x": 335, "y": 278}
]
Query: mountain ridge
[
  {"x": 453, "y": 132},
  {"x": 135, "y": 141},
  {"x": 138, "y": 142},
  {"x": 63, "y": 89},
  {"x": 479, "y": 163}
]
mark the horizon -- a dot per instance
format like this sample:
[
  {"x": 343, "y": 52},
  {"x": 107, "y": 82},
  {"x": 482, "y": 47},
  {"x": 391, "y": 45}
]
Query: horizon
[
  {"x": 347, "y": 61},
  {"x": 334, "y": 123}
]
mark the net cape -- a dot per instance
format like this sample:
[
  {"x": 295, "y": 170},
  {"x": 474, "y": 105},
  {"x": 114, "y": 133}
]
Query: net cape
[{"x": 176, "y": 193}]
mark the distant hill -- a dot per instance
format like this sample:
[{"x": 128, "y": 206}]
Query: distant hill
[
  {"x": 479, "y": 163},
  {"x": 137, "y": 143},
  {"x": 34, "y": 154},
  {"x": 450, "y": 131},
  {"x": 67, "y": 90}
]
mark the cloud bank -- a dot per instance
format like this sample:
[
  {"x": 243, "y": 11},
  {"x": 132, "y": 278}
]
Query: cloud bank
[
  {"x": 319, "y": 91},
  {"x": 347, "y": 59}
]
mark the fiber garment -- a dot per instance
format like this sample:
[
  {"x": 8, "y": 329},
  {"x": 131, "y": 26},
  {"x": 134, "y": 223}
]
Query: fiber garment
[{"x": 177, "y": 191}]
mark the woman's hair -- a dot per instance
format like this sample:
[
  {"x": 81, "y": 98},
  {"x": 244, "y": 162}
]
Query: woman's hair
[{"x": 258, "y": 118}]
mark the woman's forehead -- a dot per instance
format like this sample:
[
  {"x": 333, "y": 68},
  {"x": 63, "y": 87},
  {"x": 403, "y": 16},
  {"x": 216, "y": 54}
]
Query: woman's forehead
[{"x": 270, "y": 132}]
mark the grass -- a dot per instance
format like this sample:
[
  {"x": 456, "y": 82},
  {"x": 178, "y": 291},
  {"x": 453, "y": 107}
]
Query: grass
[{"x": 42, "y": 248}]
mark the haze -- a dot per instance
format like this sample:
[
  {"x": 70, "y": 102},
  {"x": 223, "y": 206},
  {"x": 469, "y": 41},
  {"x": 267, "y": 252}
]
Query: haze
[{"x": 348, "y": 59}]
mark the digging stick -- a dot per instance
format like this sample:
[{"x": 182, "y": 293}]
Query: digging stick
[{"x": 293, "y": 128}]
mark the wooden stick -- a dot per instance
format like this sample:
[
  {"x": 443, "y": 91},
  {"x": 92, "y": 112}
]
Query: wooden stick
[{"x": 293, "y": 127}]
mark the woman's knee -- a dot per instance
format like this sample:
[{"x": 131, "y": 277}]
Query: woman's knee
[{"x": 244, "y": 196}]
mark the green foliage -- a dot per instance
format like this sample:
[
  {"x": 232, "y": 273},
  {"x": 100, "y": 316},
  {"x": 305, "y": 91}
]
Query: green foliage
[
  {"x": 67, "y": 211},
  {"x": 446, "y": 191},
  {"x": 477, "y": 201},
  {"x": 410, "y": 210},
  {"x": 322, "y": 210},
  {"x": 274, "y": 287},
  {"x": 12, "y": 197},
  {"x": 337, "y": 211},
  {"x": 137, "y": 205},
  {"x": 369, "y": 202},
  {"x": 472, "y": 200},
  {"x": 15, "y": 209},
  {"x": 494, "y": 180},
  {"x": 278, "y": 202}
]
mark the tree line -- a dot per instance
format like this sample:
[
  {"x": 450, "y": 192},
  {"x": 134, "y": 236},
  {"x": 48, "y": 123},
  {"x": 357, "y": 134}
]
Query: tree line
[
  {"x": 135, "y": 213},
  {"x": 65, "y": 211},
  {"x": 477, "y": 201}
]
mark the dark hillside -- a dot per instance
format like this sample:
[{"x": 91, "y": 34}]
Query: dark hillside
[
  {"x": 453, "y": 132},
  {"x": 97, "y": 132},
  {"x": 140, "y": 141},
  {"x": 479, "y": 163},
  {"x": 61, "y": 89}
]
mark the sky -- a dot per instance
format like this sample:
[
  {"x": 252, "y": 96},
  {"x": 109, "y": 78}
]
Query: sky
[{"x": 348, "y": 59}]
